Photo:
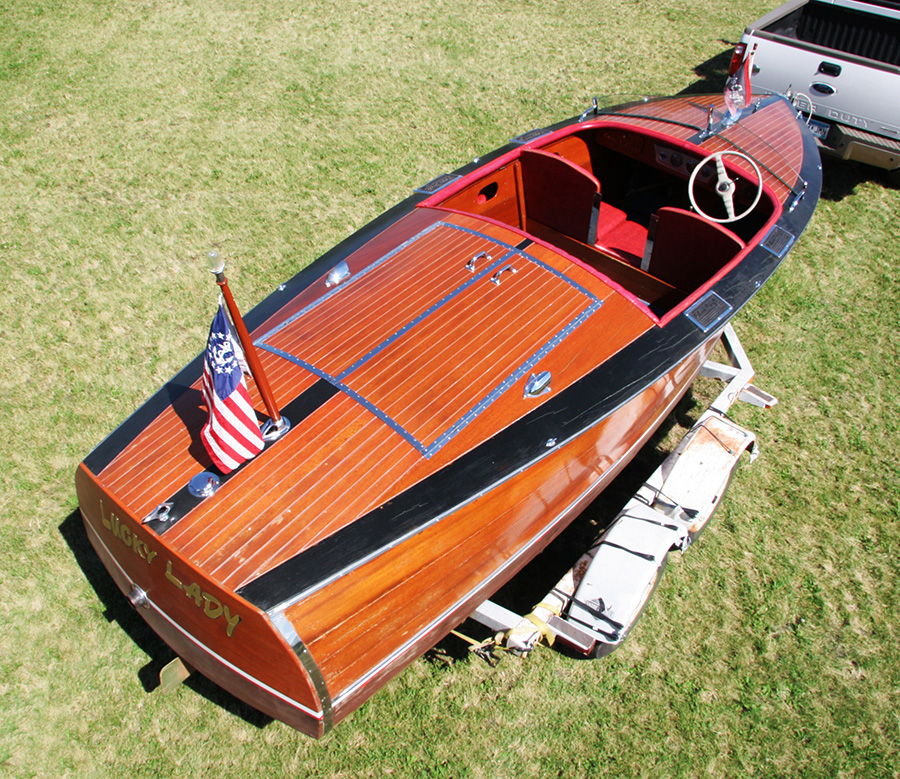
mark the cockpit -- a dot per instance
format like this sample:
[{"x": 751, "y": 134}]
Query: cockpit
[{"x": 654, "y": 215}]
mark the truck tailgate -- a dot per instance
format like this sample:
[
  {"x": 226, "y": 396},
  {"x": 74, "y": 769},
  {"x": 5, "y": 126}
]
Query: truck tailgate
[{"x": 842, "y": 89}]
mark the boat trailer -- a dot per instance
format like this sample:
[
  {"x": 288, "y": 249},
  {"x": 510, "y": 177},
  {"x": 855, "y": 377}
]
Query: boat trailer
[{"x": 596, "y": 603}]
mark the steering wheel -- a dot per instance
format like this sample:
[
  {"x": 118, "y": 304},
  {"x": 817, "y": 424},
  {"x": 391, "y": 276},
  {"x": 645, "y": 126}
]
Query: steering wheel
[{"x": 725, "y": 186}]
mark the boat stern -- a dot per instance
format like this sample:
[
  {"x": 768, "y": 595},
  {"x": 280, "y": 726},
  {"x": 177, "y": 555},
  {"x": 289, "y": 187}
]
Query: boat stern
[{"x": 259, "y": 659}]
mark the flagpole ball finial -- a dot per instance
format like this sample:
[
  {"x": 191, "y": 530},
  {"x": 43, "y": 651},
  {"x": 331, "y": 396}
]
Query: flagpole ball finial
[{"x": 215, "y": 263}]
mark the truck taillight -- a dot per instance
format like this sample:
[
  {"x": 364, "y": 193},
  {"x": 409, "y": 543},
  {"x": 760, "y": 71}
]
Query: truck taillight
[{"x": 737, "y": 58}]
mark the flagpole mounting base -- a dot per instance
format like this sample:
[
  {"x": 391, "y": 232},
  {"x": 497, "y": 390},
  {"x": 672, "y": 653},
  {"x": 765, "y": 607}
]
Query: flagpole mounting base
[
  {"x": 272, "y": 430},
  {"x": 204, "y": 484}
]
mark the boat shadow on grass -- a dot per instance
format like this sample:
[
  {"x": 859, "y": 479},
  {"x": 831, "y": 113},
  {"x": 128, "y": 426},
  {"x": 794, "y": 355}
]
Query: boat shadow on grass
[
  {"x": 712, "y": 74},
  {"x": 532, "y": 583},
  {"x": 118, "y": 610}
]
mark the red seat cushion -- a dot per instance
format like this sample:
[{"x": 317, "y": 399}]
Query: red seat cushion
[{"x": 625, "y": 240}]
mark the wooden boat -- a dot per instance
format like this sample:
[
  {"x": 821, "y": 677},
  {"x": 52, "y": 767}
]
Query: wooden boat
[{"x": 461, "y": 377}]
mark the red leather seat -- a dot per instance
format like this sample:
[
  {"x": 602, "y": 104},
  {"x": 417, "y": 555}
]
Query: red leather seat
[
  {"x": 560, "y": 195},
  {"x": 689, "y": 249}
]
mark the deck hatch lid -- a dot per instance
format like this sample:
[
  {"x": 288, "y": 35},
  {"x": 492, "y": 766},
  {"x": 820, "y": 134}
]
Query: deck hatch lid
[{"x": 455, "y": 339}]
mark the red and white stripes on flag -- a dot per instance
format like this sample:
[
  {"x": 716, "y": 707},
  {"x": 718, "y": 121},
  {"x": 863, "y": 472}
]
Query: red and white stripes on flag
[{"x": 231, "y": 435}]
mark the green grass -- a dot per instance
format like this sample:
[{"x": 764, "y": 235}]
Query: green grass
[{"x": 136, "y": 136}]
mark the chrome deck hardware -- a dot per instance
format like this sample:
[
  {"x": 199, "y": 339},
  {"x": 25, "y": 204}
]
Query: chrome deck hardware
[
  {"x": 272, "y": 430},
  {"x": 138, "y": 598},
  {"x": 538, "y": 384},
  {"x": 160, "y": 513},
  {"x": 495, "y": 279},
  {"x": 203, "y": 485},
  {"x": 470, "y": 265},
  {"x": 337, "y": 274}
]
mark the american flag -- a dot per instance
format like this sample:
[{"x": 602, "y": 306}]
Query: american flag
[{"x": 231, "y": 435}]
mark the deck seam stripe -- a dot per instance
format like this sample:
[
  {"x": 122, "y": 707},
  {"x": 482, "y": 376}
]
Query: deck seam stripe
[{"x": 421, "y": 317}]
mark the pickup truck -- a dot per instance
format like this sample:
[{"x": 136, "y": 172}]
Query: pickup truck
[{"x": 840, "y": 62}]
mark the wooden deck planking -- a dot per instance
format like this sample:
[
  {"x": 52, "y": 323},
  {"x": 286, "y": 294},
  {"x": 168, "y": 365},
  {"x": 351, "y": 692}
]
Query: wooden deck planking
[
  {"x": 362, "y": 313},
  {"x": 347, "y": 641},
  {"x": 306, "y": 496},
  {"x": 445, "y": 390},
  {"x": 168, "y": 452},
  {"x": 317, "y": 498},
  {"x": 234, "y": 514},
  {"x": 748, "y": 135},
  {"x": 305, "y": 492},
  {"x": 408, "y": 226},
  {"x": 497, "y": 328},
  {"x": 238, "y": 544},
  {"x": 327, "y": 509}
]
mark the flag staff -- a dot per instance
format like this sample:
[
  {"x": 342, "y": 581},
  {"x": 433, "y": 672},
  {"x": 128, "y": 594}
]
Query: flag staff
[{"x": 277, "y": 425}]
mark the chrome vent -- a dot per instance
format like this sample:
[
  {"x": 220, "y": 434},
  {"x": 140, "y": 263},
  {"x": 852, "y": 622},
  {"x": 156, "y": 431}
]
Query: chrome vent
[
  {"x": 435, "y": 184},
  {"x": 778, "y": 241},
  {"x": 707, "y": 312},
  {"x": 529, "y": 136}
]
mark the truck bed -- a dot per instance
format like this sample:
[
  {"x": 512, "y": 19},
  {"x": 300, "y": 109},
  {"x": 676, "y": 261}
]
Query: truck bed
[{"x": 841, "y": 62}]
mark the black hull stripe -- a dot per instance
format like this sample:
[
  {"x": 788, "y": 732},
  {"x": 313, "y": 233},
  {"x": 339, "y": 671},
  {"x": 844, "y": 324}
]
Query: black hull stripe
[{"x": 572, "y": 412}]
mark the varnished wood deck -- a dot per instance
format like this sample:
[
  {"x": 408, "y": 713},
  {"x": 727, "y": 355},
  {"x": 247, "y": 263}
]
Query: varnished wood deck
[
  {"x": 418, "y": 364},
  {"x": 780, "y": 159},
  {"x": 419, "y": 346}
]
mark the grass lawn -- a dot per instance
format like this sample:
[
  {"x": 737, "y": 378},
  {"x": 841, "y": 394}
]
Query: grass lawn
[{"x": 136, "y": 136}]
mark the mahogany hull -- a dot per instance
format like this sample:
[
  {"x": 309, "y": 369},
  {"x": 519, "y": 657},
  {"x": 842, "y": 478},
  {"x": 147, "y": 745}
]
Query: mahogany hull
[
  {"x": 488, "y": 360},
  {"x": 203, "y": 624},
  {"x": 501, "y": 532}
]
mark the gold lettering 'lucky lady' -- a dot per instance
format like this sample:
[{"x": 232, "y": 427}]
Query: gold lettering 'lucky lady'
[
  {"x": 212, "y": 606},
  {"x": 121, "y": 531}
]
